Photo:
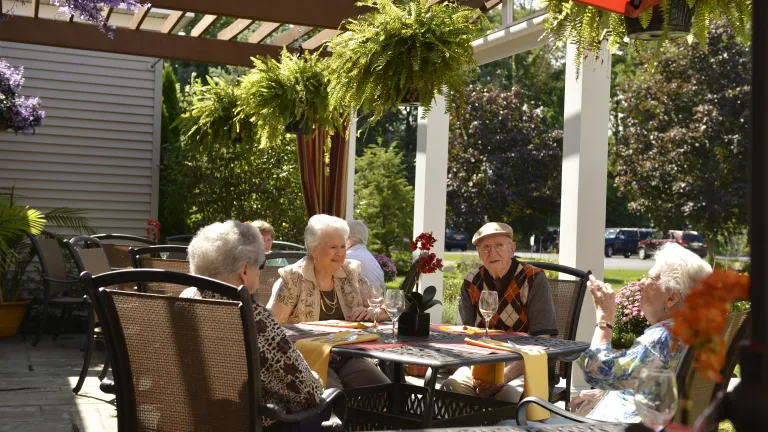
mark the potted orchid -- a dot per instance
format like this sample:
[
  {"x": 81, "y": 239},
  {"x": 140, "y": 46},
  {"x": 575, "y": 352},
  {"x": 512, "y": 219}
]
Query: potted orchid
[
  {"x": 17, "y": 113},
  {"x": 415, "y": 321}
]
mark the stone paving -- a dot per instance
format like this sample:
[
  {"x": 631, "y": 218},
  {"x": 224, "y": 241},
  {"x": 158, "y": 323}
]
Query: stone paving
[{"x": 36, "y": 387}]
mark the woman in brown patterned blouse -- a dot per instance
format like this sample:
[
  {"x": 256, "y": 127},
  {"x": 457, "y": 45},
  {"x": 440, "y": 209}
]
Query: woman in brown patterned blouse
[
  {"x": 233, "y": 252},
  {"x": 327, "y": 286}
]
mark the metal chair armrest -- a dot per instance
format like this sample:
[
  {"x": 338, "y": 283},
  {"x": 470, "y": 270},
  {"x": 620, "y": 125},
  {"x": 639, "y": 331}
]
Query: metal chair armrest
[
  {"x": 60, "y": 281},
  {"x": 331, "y": 397},
  {"x": 523, "y": 405}
]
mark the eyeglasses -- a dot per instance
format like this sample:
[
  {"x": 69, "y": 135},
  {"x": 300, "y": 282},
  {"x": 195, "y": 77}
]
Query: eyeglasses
[
  {"x": 656, "y": 279},
  {"x": 498, "y": 247},
  {"x": 263, "y": 263}
]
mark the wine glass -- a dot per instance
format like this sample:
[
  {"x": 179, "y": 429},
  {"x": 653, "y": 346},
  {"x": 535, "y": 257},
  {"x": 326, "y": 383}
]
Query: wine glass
[
  {"x": 394, "y": 301},
  {"x": 375, "y": 302},
  {"x": 489, "y": 302},
  {"x": 656, "y": 397},
  {"x": 164, "y": 255}
]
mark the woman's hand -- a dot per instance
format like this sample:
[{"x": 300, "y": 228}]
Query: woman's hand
[
  {"x": 585, "y": 401},
  {"x": 604, "y": 299},
  {"x": 361, "y": 313}
]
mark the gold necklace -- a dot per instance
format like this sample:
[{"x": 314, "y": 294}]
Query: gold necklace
[{"x": 331, "y": 304}]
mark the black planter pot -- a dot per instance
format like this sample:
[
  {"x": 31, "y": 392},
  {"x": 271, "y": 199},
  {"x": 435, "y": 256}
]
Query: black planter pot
[
  {"x": 409, "y": 101},
  {"x": 411, "y": 324},
  {"x": 680, "y": 18},
  {"x": 299, "y": 128}
]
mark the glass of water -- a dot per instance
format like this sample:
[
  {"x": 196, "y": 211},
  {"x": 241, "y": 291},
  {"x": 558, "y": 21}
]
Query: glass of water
[
  {"x": 375, "y": 302},
  {"x": 656, "y": 397},
  {"x": 488, "y": 303},
  {"x": 394, "y": 301}
]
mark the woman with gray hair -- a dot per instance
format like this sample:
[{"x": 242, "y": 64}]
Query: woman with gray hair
[
  {"x": 327, "y": 286},
  {"x": 615, "y": 372},
  {"x": 357, "y": 250},
  {"x": 233, "y": 252}
]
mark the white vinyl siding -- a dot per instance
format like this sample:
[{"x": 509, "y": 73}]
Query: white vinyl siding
[{"x": 99, "y": 146}]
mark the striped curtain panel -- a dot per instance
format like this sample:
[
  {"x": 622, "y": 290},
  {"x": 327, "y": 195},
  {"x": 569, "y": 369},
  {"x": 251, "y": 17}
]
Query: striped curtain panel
[{"x": 323, "y": 167}]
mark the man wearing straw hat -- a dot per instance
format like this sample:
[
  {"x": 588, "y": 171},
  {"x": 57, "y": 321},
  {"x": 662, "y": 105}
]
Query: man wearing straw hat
[{"x": 525, "y": 305}]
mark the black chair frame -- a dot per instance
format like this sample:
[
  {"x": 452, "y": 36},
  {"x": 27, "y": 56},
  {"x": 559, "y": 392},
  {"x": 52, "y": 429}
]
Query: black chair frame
[
  {"x": 47, "y": 295},
  {"x": 91, "y": 335},
  {"x": 154, "y": 252},
  {"x": 124, "y": 237},
  {"x": 180, "y": 238},
  {"x": 126, "y": 393},
  {"x": 574, "y": 319}
]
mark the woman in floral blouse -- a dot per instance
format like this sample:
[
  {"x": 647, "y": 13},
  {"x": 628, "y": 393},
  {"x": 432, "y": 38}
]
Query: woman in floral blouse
[
  {"x": 327, "y": 286},
  {"x": 233, "y": 252},
  {"x": 614, "y": 373}
]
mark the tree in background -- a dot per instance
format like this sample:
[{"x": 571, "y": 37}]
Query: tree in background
[
  {"x": 174, "y": 204},
  {"x": 681, "y": 155},
  {"x": 383, "y": 197},
  {"x": 504, "y": 163}
]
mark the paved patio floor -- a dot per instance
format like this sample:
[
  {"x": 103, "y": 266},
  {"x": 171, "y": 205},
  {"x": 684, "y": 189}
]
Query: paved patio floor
[{"x": 36, "y": 387}]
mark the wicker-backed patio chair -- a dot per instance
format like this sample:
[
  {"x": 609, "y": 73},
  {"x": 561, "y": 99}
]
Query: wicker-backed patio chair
[
  {"x": 179, "y": 240},
  {"x": 149, "y": 257},
  {"x": 116, "y": 246},
  {"x": 90, "y": 256},
  {"x": 187, "y": 364},
  {"x": 568, "y": 296},
  {"x": 269, "y": 274},
  {"x": 701, "y": 390},
  {"x": 58, "y": 286}
]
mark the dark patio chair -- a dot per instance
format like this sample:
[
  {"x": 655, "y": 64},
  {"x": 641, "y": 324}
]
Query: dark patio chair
[
  {"x": 90, "y": 256},
  {"x": 701, "y": 391},
  {"x": 283, "y": 246},
  {"x": 269, "y": 274},
  {"x": 116, "y": 246},
  {"x": 568, "y": 296},
  {"x": 187, "y": 364},
  {"x": 179, "y": 240},
  {"x": 58, "y": 286},
  {"x": 149, "y": 257}
]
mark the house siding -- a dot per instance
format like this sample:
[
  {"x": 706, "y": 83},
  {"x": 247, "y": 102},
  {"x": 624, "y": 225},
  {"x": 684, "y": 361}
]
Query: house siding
[{"x": 99, "y": 146}]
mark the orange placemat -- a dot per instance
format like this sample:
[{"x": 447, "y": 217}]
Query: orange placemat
[{"x": 340, "y": 324}]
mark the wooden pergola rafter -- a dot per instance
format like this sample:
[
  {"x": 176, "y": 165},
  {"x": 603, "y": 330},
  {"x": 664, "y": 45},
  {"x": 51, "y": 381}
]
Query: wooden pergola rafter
[{"x": 302, "y": 17}]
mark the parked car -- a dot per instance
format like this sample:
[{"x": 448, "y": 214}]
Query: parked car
[
  {"x": 456, "y": 240},
  {"x": 687, "y": 239},
  {"x": 624, "y": 241},
  {"x": 548, "y": 241}
]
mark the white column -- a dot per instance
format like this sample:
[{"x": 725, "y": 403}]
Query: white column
[
  {"x": 585, "y": 166},
  {"x": 507, "y": 12},
  {"x": 352, "y": 143},
  {"x": 431, "y": 179}
]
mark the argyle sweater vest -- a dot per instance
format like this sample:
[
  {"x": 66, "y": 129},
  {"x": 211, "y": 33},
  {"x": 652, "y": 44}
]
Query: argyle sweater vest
[{"x": 511, "y": 315}]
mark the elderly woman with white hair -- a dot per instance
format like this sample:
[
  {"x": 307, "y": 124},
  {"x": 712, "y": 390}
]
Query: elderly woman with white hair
[
  {"x": 614, "y": 373},
  {"x": 327, "y": 286},
  {"x": 233, "y": 252}
]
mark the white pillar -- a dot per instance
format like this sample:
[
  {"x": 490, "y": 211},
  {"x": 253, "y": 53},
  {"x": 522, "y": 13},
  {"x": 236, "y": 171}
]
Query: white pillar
[
  {"x": 507, "y": 13},
  {"x": 352, "y": 143},
  {"x": 585, "y": 167},
  {"x": 431, "y": 179}
]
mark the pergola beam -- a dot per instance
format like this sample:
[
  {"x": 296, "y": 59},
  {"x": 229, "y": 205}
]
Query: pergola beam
[
  {"x": 319, "y": 39},
  {"x": 234, "y": 29},
  {"x": 107, "y": 14},
  {"x": 35, "y": 8},
  {"x": 263, "y": 32},
  {"x": 204, "y": 25},
  {"x": 172, "y": 21},
  {"x": 139, "y": 17},
  {"x": 141, "y": 43},
  {"x": 290, "y": 36}
]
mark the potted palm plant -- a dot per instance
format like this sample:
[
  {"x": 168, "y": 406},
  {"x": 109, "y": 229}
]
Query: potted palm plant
[
  {"x": 16, "y": 253},
  {"x": 586, "y": 26},
  {"x": 290, "y": 95},
  {"x": 404, "y": 51}
]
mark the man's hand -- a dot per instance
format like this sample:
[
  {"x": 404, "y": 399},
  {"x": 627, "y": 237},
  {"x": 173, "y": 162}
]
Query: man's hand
[
  {"x": 487, "y": 390},
  {"x": 585, "y": 401}
]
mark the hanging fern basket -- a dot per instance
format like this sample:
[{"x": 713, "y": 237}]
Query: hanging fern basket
[
  {"x": 680, "y": 18},
  {"x": 299, "y": 128}
]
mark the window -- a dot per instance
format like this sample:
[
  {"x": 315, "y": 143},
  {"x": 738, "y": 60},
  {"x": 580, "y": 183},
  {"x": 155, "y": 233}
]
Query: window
[
  {"x": 693, "y": 238},
  {"x": 631, "y": 234}
]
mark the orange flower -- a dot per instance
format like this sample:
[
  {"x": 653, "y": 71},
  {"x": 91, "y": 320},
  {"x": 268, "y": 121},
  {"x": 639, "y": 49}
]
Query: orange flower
[{"x": 699, "y": 322}]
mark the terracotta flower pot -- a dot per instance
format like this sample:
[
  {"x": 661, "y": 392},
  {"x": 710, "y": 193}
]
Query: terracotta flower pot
[
  {"x": 416, "y": 370},
  {"x": 11, "y": 314}
]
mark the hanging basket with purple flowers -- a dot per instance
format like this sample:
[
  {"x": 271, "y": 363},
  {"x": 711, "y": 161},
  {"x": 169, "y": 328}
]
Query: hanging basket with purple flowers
[{"x": 17, "y": 113}]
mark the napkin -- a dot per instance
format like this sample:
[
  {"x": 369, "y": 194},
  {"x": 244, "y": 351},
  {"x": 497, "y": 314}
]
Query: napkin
[
  {"x": 467, "y": 329},
  {"x": 317, "y": 350},
  {"x": 340, "y": 324},
  {"x": 535, "y": 372}
]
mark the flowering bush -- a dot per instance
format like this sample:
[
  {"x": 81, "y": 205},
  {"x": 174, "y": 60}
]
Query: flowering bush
[
  {"x": 153, "y": 230},
  {"x": 630, "y": 321},
  {"x": 17, "y": 113},
  {"x": 390, "y": 271},
  {"x": 700, "y": 321}
]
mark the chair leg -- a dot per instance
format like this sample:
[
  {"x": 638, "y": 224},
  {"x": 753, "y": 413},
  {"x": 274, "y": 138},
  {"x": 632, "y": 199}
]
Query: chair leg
[
  {"x": 89, "y": 340},
  {"x": 42, "y": 323},
  {"x": 62, "y": 319},
  {"x": 105, "y": 369}
]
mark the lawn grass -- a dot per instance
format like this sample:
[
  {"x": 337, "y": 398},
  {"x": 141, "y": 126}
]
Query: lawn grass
[{"x": 617, "y": 278}]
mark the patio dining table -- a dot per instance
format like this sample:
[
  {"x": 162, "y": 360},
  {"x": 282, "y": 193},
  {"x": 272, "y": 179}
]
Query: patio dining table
[{"x": 403, "y": 406}]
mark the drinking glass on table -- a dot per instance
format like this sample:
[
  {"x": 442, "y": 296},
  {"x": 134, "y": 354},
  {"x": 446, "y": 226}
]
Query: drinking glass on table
[
  {"x": 488, "y": 303},
  {"x": 394, "y": 302},
  {"x": 164, "y": 255},
  {"x": 375, "y": 302},
  {"x": 656, "y": 397}
]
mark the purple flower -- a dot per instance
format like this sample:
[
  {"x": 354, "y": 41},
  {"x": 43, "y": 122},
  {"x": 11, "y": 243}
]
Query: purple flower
[
  {"x": 17, "y": 113},
  {"x": 90, "y": 11}
]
